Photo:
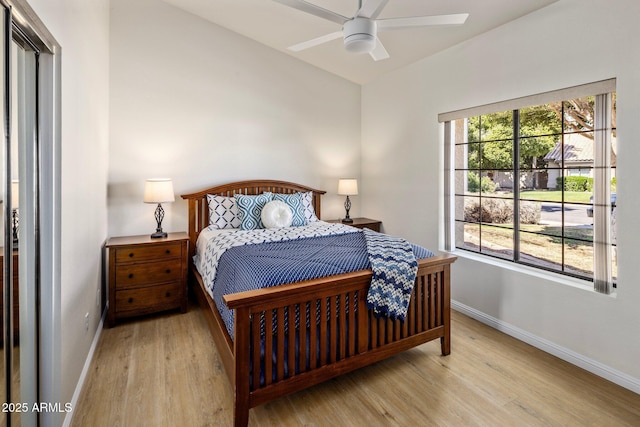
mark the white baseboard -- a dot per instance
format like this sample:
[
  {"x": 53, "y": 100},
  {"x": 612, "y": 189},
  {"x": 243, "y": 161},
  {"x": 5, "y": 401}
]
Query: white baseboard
[
  {"x": 565, "y": 354},
  {"x": 85, "y": 371}
]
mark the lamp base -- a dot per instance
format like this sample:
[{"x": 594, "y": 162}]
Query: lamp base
[
  {"x": 159, "y": 214},
  {"x": 347, "y": 207}
]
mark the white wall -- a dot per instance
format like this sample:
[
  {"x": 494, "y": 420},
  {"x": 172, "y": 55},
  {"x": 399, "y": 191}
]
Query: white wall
[
  {"x": 568, "y": 43},
  {"x": 202, "y": 105},
  {"x": 81, "y": 27}
]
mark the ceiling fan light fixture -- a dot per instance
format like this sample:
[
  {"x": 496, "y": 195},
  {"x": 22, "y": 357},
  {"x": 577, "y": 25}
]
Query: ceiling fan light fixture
[
  {"x": 360, "y": 43},
  {"x": 359, "y": 35}
]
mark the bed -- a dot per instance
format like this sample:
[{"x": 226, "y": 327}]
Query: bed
[{"x": 346, "y": 334}]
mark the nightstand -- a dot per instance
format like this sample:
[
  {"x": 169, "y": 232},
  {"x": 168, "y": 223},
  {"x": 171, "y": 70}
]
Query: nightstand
[
  {"x": 146, "y": 275},
  {"x": 371, "y": 224}
]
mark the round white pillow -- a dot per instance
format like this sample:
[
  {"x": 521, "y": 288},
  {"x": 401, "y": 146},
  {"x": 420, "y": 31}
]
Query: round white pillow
[{"x": 276, "y": 214}]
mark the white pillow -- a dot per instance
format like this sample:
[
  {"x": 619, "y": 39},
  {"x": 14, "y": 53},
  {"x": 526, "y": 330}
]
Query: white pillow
[
  {"x": 223, "y": 212},
  {"x": 276, "y": 214},
  {"x": 307, "y": 206}
]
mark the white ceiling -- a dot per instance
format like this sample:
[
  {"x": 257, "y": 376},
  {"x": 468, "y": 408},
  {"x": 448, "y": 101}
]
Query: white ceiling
[{"x": 279, "y": 26}]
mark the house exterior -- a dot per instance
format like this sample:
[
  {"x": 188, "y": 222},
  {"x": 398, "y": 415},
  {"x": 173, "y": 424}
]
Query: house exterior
[{"x": 577, "y": 153}]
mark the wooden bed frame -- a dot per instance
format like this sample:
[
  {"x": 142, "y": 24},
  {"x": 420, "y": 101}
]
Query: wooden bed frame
[{"x": 371, "y": 340}]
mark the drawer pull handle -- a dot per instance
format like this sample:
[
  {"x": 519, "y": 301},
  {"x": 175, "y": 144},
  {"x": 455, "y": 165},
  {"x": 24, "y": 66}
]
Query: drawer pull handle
[
  {"x": 131, "y": 255},
  {"x": 168, "y": 271},
  {"x": 130, "y": 275},
  {"x": 168, "y": 294},
  {"x": 168, "y": 251},
  {"x": 130, "y": 300}
]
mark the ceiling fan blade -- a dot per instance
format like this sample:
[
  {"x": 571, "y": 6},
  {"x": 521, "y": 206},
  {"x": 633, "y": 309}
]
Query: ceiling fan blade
[
  {"x": 371, "y": 8},
  {"x": 314, "y": 10},
  {"x": 379, "y": 52},
  {"x": 315, "y": 42},
  {"x": 421, "y": 21}
]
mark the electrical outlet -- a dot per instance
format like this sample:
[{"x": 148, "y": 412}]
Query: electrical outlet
[{"x": 86, "y": 321}]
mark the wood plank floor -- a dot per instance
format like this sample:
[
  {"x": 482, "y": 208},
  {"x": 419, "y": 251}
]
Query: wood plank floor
[{"x": 165, "y": 371}]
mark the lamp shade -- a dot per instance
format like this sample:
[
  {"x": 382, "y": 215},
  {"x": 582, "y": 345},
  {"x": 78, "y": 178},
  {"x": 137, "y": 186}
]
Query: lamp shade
[
  {"x": 15, "y": 194},
  {"x": 348, "y": 187},
  {"x": 158, "y": 190}
]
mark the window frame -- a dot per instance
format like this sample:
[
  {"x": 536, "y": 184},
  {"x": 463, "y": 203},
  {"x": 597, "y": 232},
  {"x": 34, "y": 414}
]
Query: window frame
[{"x": 602, "y": 245}]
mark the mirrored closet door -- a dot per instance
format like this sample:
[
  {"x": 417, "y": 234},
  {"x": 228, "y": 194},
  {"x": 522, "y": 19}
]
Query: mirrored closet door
[{"x": 19, "y": 233}]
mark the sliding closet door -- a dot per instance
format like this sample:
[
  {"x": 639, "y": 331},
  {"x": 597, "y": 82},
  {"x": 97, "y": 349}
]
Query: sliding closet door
[
  {"x": 24, "y": 145},
  {"x": 29, "y": 218},
  {"x": 20, "y": 234},
  {"x": 6, "y": 251}
]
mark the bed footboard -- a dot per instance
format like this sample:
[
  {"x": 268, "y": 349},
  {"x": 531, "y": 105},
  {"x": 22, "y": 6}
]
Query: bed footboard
[{"x": 290, "y": 337}]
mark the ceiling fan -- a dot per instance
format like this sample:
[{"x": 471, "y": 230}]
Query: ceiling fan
[{"x": 360, "y": 31}]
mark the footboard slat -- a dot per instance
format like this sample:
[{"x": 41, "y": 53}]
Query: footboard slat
[
  {"x": 323, "y": 331},
  {"x": 268, "y": 347},
  {"x": 333, "y": 328},
  {"x": 407, "y": 327},
  {"x": 417, "y": 308},
  {"x": 363, "y": 321},
  {"x": 342, "y": 320},
  {"x": 291, "y": 331},
  {"x": 255, "y": 346},
  {"x": 351, "y": 348},
  {"x": 280, "y": 345},
  {"x": 302, "y": 337},
  {"x": 313, "y": 344},
  {"x": 438, "y": 297},
  {"x": 432, "y": 301},
  {"x": 424, "y": 302},
  {"x": 373, "y": 331}
]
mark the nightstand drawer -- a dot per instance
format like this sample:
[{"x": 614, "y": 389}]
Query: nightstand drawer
[
  {"x": 154, "y": 252},
  {"x": 146, "y": 273},
  {"x": 149, "y": 298}
]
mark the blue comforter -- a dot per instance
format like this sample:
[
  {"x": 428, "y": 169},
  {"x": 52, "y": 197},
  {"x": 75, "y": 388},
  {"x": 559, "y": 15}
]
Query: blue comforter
[{"x": 262, "y": 265}]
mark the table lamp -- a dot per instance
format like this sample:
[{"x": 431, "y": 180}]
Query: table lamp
[
  {"x": 159, "y": 190},
  {"x": 347, "y": 187}
]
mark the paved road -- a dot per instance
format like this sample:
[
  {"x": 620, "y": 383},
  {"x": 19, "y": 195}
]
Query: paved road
[{"x": 573, "y": 214}]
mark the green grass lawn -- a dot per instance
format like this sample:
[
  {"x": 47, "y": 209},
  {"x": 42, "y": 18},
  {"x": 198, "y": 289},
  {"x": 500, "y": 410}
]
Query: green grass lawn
[
  {"x": 546, "y": 248},
  {"x": 551, "y": 196}
]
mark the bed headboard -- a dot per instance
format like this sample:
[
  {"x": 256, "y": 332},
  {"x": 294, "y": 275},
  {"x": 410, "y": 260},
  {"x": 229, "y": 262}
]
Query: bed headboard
[{"x": 199, "y": 208}]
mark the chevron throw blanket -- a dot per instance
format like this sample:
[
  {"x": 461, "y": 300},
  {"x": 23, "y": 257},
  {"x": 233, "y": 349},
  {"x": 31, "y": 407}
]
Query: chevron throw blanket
[{"x": 394, "y": 269}]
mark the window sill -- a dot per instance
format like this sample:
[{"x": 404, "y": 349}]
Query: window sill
[{"x": 584, "y": 285}]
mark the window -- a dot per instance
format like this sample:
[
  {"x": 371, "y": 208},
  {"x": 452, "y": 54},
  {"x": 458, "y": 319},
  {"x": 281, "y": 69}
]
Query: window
[{"x": 535, "y": 184}]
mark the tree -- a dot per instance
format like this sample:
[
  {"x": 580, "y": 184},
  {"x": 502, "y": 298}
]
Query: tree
[
  {"x": 579, "y": 114},
  {"x": 539, "y": 128}
]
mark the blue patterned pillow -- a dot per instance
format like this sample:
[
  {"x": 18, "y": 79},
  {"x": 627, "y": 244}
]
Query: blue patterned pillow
[
  {"x": 307, "y": 207},
  {"x": 294, "y": 201},
  {"x": 223, "y": 212},
  {"x": 250, "y": 208}
]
